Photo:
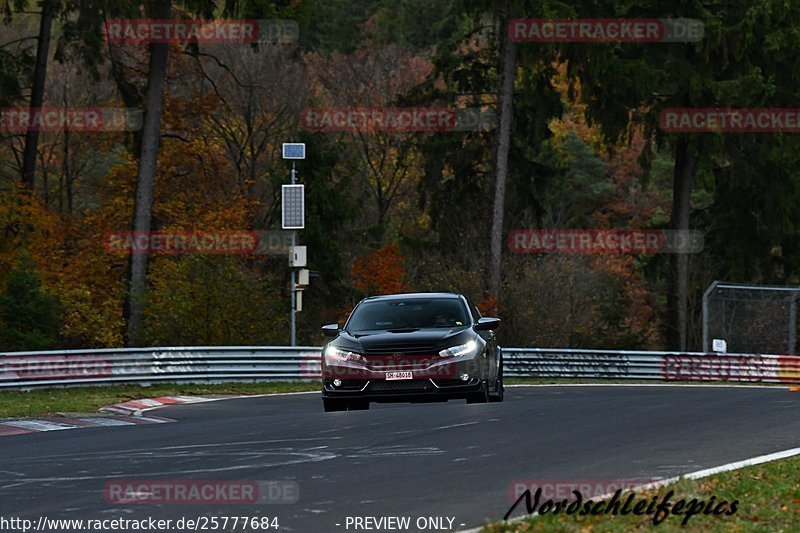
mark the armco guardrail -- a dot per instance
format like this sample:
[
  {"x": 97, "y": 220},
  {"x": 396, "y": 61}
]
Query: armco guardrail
[
  {"x": 146, "y": 365},
  {"x": 646, "y": 365},
  {"x": 279, "y": 363}
]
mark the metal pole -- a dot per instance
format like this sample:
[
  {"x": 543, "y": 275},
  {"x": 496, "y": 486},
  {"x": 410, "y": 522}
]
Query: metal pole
[
  {"x": 792, "y": 325},
  {"x": 706, "y": 317},
  {"x": 293, "y": 289}
]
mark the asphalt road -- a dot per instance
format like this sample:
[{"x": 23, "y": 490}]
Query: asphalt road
[{"x": 427, "y": 460}]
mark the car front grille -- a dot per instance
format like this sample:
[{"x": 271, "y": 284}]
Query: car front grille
[{"x": 406, "y": 349}]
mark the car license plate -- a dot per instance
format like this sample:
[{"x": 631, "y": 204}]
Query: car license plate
[{"x": 399, "y": 375}]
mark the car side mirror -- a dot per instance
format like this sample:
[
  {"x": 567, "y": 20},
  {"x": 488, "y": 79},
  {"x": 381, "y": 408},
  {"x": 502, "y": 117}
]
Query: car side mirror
[
  {"x": 487, "y": 323},
  {"x": 330, "y": 330}
]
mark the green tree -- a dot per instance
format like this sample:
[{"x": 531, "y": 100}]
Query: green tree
[
  {"x": 480, "y": 67},
  {"x": 16, "y": 60},
  {"x": 336, "y": 25},
  {"x": 748, "y": 58},
  {"x": 27, "y": 313}
]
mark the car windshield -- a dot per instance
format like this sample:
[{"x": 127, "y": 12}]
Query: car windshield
[{"x": 416, "y": 313}]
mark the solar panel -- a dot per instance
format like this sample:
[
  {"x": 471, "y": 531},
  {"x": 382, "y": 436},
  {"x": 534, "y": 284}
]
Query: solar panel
[
  {"x": 293, "y": 207},
  {"x": 294, "y": 150}
]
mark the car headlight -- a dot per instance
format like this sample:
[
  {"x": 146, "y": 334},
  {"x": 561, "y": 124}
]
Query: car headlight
[
  {"x": 468, "y": 348},
  {"x": 343, "y": 356}
]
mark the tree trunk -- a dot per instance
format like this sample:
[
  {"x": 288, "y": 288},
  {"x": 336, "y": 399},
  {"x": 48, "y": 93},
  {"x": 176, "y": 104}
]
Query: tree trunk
[
  {"x": 151, "y": 132},
  {"x": 37, "y": 92},
  {"x": 508, "y": 52},
  {"x": 678, "y": 274},
  {"x": 65, "y": 185},
  {"x": 130, "y": 94}
]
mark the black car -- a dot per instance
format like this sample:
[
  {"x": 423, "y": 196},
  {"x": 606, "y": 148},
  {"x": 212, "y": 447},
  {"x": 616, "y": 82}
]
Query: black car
[{"x": 411, "y": 347}]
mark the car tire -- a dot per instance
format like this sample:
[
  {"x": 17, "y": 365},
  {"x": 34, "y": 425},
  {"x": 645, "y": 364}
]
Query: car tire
[
  {"x": 332, "y": 404},
  {"x": 497, "y": 396},
  {"x": 499, "y": 389},
  {"x": 358, "y": 405},
  {"x": 482, "y": 396}
]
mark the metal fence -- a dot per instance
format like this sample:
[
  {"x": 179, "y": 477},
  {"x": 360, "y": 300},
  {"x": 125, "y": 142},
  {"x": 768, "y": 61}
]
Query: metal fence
[
  {"x": 22, "y": 370},
  {"x": 751, "y": 318}
]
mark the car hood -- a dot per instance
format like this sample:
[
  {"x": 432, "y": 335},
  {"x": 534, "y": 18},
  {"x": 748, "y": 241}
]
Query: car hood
[{"x": 418, "y": 341}]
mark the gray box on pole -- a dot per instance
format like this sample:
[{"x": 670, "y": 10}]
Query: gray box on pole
[
  {"x": 297, "y": 256},
  {"x": 302, "y": 276}
]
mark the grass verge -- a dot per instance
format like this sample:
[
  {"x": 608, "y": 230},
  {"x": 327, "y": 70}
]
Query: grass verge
[
  {"x": 38, "y": 402},
  {"x": 767, "y": 494}
]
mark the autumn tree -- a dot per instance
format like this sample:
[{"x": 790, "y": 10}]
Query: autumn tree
[
  {"x": 380, "y": 272},
  {"x": 385, "y": 163},
  {"x": 729, "y": 67}
]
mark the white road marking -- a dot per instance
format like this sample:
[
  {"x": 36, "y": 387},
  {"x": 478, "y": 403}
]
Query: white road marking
[
  {"x": 100, "y": 421},
  {"x": 456, "y": 425},
  {"x": 301, "y": 457},
  {"x": 37, "y": 425},
  {"x": 154, "y": 420}
]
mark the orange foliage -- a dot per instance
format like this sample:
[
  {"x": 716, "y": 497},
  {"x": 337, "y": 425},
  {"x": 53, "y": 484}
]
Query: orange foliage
[
  {"x": 69, "y": 259},
  {"x": 489, "y": 306},
  {"x": 381, "y": 272},
  {"x": 631, "y": 203},
  {"x": 196, "y": 188},
  {"x": 640, "y": 309}
]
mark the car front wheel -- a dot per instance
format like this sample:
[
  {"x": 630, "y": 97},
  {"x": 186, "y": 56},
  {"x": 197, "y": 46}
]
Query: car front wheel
[
  {"x": 482, "y": 396},
  {"x": 497, "y": 395},
  {"x": 499, "y": 389}
]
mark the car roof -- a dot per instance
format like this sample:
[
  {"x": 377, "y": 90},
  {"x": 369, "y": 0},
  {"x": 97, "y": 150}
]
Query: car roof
[{"x": 401, "y": 296}]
